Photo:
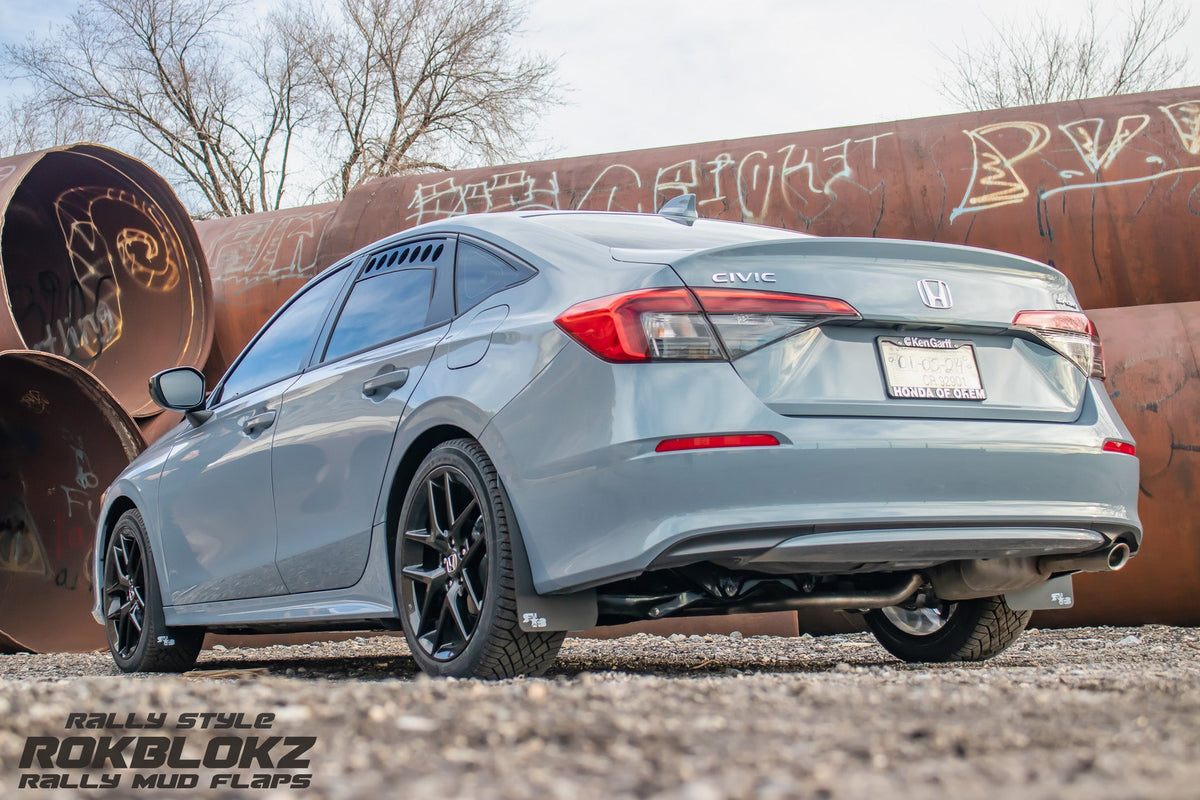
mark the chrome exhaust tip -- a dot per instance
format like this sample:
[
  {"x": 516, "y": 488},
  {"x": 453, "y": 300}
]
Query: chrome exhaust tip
[
  {"x": 1110, "y": 560},
  {"x": 1118, "y": 556}
]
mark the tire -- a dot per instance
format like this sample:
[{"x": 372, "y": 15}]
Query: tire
[
  {"x": 968, "y": 630},
  {"x": 137, "y": 633},
  {"x": 454, "y": 575}
]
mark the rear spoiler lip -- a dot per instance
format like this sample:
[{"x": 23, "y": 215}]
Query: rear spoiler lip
[{"x": 849, "y": 247}]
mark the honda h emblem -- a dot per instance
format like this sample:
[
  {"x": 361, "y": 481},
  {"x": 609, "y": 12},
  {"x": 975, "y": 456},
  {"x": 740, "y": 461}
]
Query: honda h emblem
[{"x": 935, "y": 294}]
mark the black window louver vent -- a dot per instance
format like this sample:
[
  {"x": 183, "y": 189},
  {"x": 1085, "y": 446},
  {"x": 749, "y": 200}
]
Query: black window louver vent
[{"x": 422, "y": 253}]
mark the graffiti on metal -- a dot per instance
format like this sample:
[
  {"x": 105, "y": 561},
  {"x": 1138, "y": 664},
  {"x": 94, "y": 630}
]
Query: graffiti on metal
[
  {"x": 285, "y": 244},
  {"x": 796, "y": 184}
]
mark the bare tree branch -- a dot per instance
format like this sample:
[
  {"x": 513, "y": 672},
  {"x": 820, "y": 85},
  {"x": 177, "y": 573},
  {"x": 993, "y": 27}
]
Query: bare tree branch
[
  {"x": 321, "y": 96},
  {"x": 1040, "y": 60}
]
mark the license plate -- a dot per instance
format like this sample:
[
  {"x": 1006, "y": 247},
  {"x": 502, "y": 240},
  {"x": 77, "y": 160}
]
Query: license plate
[{"x": 930, "y": 368}]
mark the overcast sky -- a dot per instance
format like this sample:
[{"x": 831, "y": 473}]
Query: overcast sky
[{"x": 645, "y": 73}]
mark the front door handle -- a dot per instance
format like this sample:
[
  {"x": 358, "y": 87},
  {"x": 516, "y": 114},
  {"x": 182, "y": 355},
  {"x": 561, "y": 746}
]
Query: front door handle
[
  {"x": 388, "y": 380},
  {"x": 259, "y": 422}
]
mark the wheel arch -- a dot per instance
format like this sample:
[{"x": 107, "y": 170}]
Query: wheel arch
[{"x": 406, "y": 469}]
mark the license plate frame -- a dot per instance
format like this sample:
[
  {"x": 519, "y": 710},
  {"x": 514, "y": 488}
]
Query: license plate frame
[{"x": 948, "y": 369}]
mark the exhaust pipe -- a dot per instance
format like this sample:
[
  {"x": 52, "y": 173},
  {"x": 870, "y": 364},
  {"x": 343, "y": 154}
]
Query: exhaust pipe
[
  {"x": 1109, "y": 560},
  {"x": 883, "y": 598}
]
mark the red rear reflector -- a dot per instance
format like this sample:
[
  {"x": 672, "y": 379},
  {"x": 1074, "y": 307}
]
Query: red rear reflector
[
  {"x": 1113, "y": 446},
  {"x": 705, "y": 442}
]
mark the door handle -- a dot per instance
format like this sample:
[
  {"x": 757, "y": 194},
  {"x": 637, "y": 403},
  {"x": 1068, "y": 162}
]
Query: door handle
[
  {"x": 388, "y": 380},
  {"x": 259, "y": 422}
]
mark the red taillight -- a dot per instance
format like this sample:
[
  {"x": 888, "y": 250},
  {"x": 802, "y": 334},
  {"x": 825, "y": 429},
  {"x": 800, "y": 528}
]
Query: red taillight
[
  {"x": 1071, "y": 333},
  {"x": 1113, "y": 446},
  {"x": 705, "y": 442},
  {"x": 693, "y": 325}
]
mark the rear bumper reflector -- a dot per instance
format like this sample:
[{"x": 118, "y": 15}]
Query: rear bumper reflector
[
  {"x": 706, "y": 442},
  {"x": 1113, "y": 446}
]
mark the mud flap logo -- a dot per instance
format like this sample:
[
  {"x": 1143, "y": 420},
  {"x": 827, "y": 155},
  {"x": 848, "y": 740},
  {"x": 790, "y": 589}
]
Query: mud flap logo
[{"x": 532, "y": 620}]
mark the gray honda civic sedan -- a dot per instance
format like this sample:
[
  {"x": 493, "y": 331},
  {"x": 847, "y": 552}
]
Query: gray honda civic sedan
[{"x": 491, "y": 430}]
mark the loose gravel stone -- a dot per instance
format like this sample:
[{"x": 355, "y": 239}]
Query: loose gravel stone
[{"x": 1084, "y": 713}]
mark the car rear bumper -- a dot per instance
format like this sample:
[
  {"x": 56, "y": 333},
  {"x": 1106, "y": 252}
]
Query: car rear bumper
[{"x": 596, "y": 503}]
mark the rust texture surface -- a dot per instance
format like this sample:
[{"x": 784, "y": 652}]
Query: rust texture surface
[
  {"x": 63, "y": 438},
  {"x": 101, "y": 265}
]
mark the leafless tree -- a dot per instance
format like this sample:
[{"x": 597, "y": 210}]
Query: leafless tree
[
  {"x": 167, "y": 73},
  {"x": 307, "y": 104},
  {"x": 410, "y": 85},
  {"x": 1041, "y": 60}
]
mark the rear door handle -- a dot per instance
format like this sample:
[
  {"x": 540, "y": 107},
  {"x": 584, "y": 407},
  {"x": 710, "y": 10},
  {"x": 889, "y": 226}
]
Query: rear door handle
[
  {"x": 259, "y": 422},
  {"x": 388, "y": 380}
]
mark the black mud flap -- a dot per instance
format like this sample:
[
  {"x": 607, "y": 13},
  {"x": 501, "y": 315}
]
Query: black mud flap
[
  {"x": 548, "y": 612},
  {"x": 1054, "y": 593}
]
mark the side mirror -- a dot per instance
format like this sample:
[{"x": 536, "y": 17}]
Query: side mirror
[{"x": 178, "y": 389}]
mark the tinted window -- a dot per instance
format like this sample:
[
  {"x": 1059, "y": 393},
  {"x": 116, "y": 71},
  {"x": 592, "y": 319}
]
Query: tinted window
[
  {"x": 479, "y": 274},
  {"x": 381, "y": 308},
  {"x": 283, "y": 347}
]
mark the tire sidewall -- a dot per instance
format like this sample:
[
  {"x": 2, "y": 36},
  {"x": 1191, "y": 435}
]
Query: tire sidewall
[
  {"x": 495, "y": 516},
  {"x": 944, "y": 644}
]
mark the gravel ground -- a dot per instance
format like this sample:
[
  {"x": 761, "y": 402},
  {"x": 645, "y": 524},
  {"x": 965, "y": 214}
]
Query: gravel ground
[{"x": 1089, "y": 712}]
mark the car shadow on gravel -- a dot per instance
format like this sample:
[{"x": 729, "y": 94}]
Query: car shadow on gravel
[{"x": 403, "y": 667}]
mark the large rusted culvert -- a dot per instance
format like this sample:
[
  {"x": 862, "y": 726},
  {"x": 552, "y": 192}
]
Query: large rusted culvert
[{"x": 101, "y": 265}]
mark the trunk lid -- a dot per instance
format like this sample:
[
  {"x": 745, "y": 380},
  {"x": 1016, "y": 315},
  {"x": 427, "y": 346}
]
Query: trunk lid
[{"x": 948, "y": 306}]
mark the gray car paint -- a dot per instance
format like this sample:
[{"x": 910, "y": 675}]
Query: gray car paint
[{"x": 573, "y": 439}]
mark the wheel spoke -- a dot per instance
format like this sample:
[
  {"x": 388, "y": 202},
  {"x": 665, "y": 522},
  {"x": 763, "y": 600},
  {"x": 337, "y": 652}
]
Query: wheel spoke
[
  {"x": 433, "y": 517},
  {"x": 449, "y": 499},
  {"x": 472, "y": 598},
  {"x": 477, "y": 548},
  {"x": 456, "y": 527},
  {"x": 456, "y": 615},
  {"x": 433, "y": 598},
  {"x": 428, "y": 576}
]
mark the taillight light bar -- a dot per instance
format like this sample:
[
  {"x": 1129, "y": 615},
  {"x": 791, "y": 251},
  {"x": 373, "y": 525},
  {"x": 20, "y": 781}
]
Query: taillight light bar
[
  {"x": 1070, "y": 333},
  {"x": 680, "y": 324}
]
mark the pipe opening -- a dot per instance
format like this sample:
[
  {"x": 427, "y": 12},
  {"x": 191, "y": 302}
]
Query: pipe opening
[
  {"x": 102, "y": 266},
  {"x": 62, "y": 440}
]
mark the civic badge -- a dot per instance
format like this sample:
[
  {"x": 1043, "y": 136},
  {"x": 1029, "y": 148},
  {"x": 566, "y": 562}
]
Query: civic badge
[{"x": 934, "y": 293}]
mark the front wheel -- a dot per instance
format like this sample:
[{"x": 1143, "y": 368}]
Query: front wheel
[
  {"x": 137, "y": 633},
  {"x": 967, "y": 630},
  {"x": 455, "y": 575}
]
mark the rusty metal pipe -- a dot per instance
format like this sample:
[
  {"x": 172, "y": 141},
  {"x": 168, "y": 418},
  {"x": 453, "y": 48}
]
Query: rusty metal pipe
[
  {"x": 63, "y": 438},
  {"x": 101, "y": 265}
]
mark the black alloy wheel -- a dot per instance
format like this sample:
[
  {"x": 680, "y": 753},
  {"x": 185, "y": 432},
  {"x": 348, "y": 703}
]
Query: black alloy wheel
[
  {"x": 134, "y": 623},
  {"x": 444, "y": 563},
  {"x": 454, "y": 573},
  {"x": 125, "y": 592}
]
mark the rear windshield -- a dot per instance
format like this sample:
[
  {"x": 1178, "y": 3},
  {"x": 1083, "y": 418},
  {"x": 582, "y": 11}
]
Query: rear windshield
[{"x": 652, "y": 232}]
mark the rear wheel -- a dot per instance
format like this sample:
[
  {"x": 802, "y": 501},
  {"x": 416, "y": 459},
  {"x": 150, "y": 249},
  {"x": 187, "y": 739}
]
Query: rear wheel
[
  {"x": 138, "y": 636},
  {"x": 454, "y": 572},
  {"x": 967, "y": 630}
]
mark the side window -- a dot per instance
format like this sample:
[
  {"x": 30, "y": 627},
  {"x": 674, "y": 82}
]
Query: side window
[
  {"x": 281, "y": 349},
  {"x": 479, "y": 274},
  {"x": 381, "y": 308}
]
